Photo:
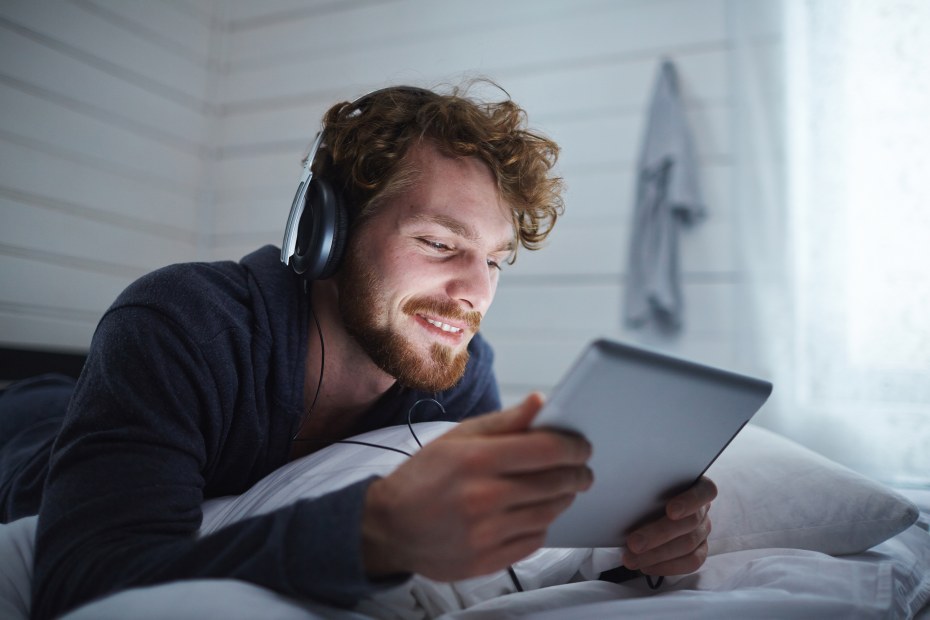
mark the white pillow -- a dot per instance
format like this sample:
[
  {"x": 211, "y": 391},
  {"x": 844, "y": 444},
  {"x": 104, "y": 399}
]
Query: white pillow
[
  {"x": 16, "y": 549},
  {"x": 340, "y": 465},
  {"x": 334, "y": 467},
  {"x": 774, "y": 492}
]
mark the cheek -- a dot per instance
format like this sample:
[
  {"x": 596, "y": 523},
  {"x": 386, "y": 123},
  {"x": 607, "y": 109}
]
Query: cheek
[
  {"x": 411, "y": 272},
  {"x": 386, "y": 265},
  {"x": 396, "y": 271}
]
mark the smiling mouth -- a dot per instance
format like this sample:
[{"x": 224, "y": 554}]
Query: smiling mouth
[
  {"x": 452, "y": 329},
  {"x": 443, "y": 319}
]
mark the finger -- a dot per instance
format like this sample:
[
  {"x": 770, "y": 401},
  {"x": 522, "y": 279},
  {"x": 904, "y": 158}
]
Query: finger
[
  {"x": 682, "y": 550},
  {"x": 524, "y": 521},
  {"x": 514, "y": 419},
  {"x": 680, "y": 565},
  {"x": 532, "y": 488},
  {"x": 489, "y": 498},
  {"x": 542, "y": 486},
  {"x": 701, "y": 493},
  {"x": 530, "y": 452},
  {"x": 665, "y": 530}
]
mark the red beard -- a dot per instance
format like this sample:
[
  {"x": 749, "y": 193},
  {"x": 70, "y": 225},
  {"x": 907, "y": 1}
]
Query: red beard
[{"x": 361, "y": 301}]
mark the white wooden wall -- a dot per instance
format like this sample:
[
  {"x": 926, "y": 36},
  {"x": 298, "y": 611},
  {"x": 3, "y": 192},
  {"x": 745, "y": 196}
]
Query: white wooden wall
[
  {"x": 103, "y": 153},
  {"x": 138, "y": 133}
]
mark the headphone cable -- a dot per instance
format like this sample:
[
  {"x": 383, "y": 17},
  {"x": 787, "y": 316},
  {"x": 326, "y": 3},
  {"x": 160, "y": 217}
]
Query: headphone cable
[{"x": 319, "y": 383}]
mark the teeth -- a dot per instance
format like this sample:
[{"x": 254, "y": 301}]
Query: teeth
[{"x": 444, "y": 326}]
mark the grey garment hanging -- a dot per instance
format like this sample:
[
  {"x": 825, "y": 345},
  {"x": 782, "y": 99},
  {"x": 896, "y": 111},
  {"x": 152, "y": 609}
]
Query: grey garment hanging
[{"x": 667, "y": 197}]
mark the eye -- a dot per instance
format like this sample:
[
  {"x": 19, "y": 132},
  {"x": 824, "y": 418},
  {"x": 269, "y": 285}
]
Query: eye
[
  {"x": 493, "y": 264},
  {"x": 437, "y": 246}
]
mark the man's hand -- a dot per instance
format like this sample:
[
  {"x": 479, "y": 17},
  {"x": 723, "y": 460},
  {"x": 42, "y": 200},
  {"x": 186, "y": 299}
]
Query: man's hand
[
  {"x": 676, "y": 543},
  {"x": 475, "y": 500}
]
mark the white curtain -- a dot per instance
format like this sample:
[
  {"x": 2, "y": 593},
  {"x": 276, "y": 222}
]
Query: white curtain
[{"x": 838, "y": 256}]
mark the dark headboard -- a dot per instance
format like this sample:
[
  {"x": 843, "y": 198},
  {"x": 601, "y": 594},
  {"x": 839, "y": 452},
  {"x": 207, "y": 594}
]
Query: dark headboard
[{"x": 18, "y": 364}]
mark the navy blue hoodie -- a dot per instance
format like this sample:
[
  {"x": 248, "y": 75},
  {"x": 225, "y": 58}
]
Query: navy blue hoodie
[{"x": 193, "y": 388}]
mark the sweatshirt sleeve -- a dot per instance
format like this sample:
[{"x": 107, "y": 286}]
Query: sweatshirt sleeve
[{"x": 144, "y": 435}]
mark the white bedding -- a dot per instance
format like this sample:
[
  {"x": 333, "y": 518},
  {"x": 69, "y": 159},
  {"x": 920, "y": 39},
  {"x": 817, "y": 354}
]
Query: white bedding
[
  {"x": 890, "y": 581},
  {"x": 800, "y": 522}
]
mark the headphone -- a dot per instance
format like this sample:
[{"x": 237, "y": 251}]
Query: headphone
[{"x": 318, "y": 223}]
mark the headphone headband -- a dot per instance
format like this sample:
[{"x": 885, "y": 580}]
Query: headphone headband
[{"x": 289, "y": 246}]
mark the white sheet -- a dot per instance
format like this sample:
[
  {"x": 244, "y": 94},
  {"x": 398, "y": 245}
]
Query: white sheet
[{"x": 890, "y": 581}]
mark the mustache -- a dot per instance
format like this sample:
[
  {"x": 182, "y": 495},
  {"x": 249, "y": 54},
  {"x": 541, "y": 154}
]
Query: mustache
[{"x": 444, "y": 308}]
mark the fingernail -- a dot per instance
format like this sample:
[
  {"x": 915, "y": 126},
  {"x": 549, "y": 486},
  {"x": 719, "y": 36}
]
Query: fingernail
[
  {"x": 630, "y": 562},
  {"x": 636, "y": 543},
  {"x": 674, "y": 510}
]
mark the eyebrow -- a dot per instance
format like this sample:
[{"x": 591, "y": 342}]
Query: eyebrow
[{"x": 460, "y": 228}]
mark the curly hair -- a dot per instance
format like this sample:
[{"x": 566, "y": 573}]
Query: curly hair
[{"x": 366, "y": 143}]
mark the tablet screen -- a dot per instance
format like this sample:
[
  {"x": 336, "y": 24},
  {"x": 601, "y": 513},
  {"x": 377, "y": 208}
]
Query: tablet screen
[{"x": 655, "y": 422}]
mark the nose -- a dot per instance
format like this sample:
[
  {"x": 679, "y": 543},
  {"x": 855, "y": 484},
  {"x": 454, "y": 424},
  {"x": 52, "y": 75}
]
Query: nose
[{"x": 473, "y": 283}]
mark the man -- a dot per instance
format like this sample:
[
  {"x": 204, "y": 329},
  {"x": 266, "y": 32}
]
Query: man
[{"x": 203, "y": 378}]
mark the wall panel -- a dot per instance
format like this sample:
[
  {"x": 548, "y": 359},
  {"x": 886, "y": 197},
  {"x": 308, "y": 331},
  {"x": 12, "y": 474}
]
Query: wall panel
[
  {"x": 35, "y": 116},
  {"x": 41, "y": 284},
  {"x": 127, "y": 192},
  {"x": 79, "y": 34},
  {"x": 103, "y": 157},
  {"x": 121, "y": 249},
  {"x": 565, "y": 37},
  {"x": 182, "y": 28},
  {"x": 69, "y": 82},
  {"x": 175, "y": 130}
]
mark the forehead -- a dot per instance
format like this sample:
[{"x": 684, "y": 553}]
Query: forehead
[{"x": 457, "y": 193}]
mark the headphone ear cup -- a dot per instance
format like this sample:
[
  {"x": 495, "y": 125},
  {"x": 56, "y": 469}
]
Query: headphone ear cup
[
  {"x": 340, "y": 237},
  {"x": 321, "y": 233}
]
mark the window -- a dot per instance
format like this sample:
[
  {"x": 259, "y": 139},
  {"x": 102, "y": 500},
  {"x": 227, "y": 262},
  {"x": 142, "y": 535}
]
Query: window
[{"x": 858, "y": 86}]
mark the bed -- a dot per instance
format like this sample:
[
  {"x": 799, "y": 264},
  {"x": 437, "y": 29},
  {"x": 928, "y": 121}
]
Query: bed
[{"x": 795, "y": 535}]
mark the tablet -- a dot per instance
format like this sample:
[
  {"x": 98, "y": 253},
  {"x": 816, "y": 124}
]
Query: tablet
[{"x": 655, "y": 422}]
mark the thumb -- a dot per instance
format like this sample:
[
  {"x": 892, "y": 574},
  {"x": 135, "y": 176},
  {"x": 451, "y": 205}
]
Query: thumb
[{"x": 513, "y": 420}]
